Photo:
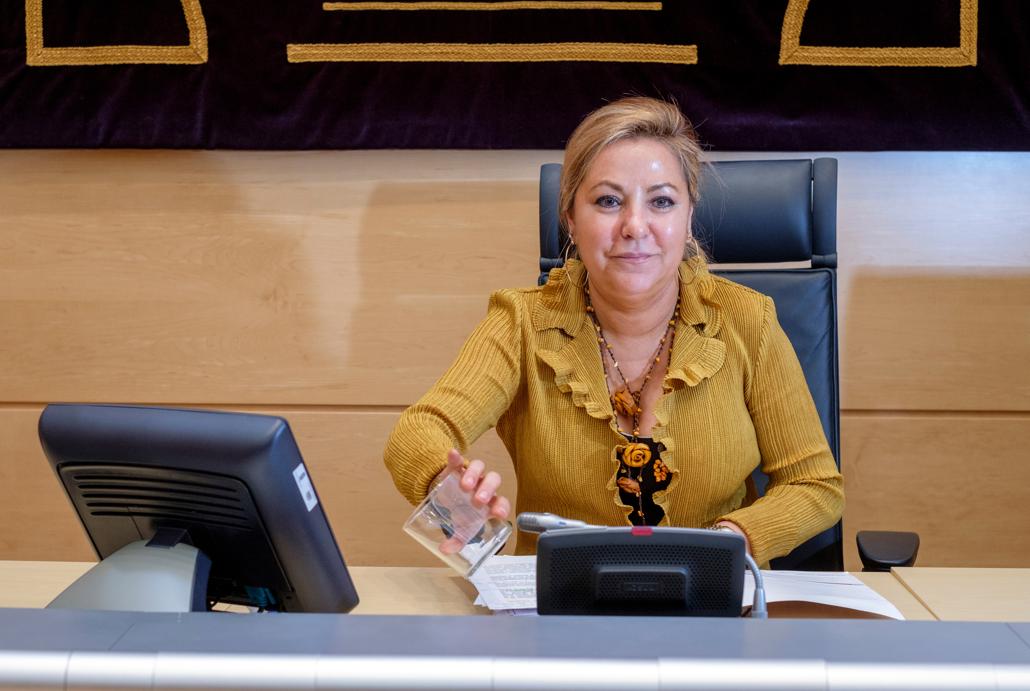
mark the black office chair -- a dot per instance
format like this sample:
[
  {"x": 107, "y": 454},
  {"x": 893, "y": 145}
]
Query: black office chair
[{"x": 765, "y": 212}]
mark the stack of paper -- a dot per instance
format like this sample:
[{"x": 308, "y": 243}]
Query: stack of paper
[{"x": 508, "y": 585}]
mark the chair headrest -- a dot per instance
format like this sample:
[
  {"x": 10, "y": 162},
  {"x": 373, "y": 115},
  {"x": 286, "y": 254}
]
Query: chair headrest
[{"x": 756, "y": 211}]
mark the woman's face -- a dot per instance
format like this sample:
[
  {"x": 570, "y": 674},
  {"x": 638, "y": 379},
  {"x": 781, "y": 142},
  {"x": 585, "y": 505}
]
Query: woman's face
[{"x": 630, "y": 218}]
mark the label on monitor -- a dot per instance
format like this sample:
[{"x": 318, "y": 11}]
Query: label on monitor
[{"x": 307, "y": 491}]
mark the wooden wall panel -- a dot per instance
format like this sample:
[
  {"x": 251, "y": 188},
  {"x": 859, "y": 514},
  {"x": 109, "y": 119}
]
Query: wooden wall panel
[
  {"x": 207, "y": 286},
  {"x": 336, "y": 286},
  {"x": 939, "y": 338},
  {"x": 242, "y": 277},
  {"x": 962, "y": 481},
  {"x": 343, "y": 452},
  {"x": 36, "y": 518}
]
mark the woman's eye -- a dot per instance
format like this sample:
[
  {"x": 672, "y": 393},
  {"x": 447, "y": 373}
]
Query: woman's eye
[
  {"x": 663, "y": 202},
  {"x": 607, "y": 201}
]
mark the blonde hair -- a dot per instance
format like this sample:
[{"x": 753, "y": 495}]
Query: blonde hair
[{"x": 628, "y": 118}]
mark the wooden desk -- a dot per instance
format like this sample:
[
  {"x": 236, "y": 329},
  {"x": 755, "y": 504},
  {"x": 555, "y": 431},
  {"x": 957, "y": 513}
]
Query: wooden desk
[
  {"x": 383, "y": 589},
  {"x": 413, "y": 590},
  {"x": 35, "y": 583},
  {"x": 892, "y": 589},
  {"x": 963, "y": 594}
]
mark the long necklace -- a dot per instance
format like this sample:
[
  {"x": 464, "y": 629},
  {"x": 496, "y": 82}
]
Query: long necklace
[{"x": 626, "y": 401}]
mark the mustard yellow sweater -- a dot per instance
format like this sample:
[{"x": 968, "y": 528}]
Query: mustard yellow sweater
[{"x": 735, "y": 397}]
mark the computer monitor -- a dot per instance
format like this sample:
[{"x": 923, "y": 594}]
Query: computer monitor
[{"x": 157, "y": 488}]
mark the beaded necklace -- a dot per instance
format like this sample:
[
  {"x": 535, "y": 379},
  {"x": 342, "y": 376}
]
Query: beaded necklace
[{"x": 626, "y": 401}]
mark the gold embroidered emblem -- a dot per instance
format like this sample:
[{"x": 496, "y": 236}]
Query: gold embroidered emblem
[
  {"x": 962, "y": 55},
  {"x": 39, "y": 54}
]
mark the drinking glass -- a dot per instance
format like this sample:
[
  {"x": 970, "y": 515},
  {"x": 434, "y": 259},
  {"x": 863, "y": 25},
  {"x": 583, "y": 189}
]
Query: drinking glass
[{"x": 457, "y": 532}]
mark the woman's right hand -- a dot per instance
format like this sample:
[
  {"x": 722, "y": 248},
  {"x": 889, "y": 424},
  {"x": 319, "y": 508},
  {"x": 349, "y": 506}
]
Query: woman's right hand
[{"x": 482, "y": 488}]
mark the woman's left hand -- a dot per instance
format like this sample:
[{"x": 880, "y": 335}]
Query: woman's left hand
[{"x": 735, "y": 528}]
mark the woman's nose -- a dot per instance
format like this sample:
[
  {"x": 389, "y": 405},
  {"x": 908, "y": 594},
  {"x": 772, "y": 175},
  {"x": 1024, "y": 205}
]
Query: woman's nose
[{"x": 634, "y": 224}]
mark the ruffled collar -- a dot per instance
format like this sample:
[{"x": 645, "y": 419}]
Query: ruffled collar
[
  {"x": 562, "y": 304},
  {"x": 696, "y": 355},
  {"x": 578, "y": 370}
]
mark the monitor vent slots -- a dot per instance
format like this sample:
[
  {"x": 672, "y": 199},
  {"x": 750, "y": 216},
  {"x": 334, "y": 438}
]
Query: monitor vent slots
[{"x": 160, "y": 498}]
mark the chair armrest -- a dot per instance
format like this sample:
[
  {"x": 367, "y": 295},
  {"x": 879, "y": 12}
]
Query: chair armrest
[{"x": 882, "y": 549}]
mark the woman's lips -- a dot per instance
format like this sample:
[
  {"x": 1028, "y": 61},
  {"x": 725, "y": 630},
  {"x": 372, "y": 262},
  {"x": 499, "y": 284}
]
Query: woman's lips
[{"x": 632, "y": 257}]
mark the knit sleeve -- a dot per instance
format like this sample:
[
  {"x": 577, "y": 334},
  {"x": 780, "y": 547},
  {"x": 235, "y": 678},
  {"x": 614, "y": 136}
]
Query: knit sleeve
[
  {"x": 805, "y": 494},
  {"x": 466, "y": 401}
]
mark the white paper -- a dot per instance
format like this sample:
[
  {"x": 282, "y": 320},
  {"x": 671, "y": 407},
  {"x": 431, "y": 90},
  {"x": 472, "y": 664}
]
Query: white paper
[
  {"x": 824, "y": 587},
  {"x": 507, "y": 585}
]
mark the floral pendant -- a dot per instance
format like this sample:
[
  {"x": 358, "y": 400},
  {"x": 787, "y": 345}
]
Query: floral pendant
[
  {"x": 624, "y": 403},
  {"x": 636, "y": 455}
]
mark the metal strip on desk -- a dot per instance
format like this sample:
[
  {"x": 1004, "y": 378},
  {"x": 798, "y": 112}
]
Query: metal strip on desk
[
  {"x": 57, "y": 649},
  {"x": 390, "y": 673}
]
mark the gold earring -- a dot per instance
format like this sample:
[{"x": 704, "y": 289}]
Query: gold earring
[
  {"x": 695, "y": 248},
  {"x": 568, "y": 247}
]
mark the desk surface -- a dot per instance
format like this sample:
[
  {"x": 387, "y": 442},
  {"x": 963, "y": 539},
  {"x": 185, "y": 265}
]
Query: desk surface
[
  {"x": 963, "y": 594},
  {"x": 382, "y": 589}
]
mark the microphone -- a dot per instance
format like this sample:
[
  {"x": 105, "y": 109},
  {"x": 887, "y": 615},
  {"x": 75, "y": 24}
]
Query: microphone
[{"x": 530, "y": 522}]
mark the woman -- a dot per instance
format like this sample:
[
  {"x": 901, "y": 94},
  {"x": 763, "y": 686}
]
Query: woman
[{"x": 634, "y": 388}]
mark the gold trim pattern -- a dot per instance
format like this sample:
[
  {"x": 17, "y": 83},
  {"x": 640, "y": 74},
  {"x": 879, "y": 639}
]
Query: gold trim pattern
[
  {"x": 793, "y": 53},
  {"x": 38, "y": 54},
  {"x": 494, "y": 6},
  {"x": 492, "y": 52}
]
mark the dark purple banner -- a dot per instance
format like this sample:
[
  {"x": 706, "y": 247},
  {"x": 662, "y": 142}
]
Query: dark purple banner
[{"x": 304, "y": 74}]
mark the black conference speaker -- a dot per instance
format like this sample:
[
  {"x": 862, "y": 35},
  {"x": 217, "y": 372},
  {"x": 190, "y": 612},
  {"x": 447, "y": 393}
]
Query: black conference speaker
[{"x": 640, "y": 571}]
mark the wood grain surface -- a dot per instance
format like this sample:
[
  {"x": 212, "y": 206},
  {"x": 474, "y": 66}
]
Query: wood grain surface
[{"x": 966, "y": 594}]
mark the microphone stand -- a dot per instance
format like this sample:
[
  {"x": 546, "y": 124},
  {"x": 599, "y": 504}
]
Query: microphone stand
[{"x": 758, "y": 608}]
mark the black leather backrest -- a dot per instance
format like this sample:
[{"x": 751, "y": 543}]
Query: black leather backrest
[
  {"x": 806, "y": 304},
  {"x": 778, "y": 209},
  {"x": 766, "y": 212}
]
